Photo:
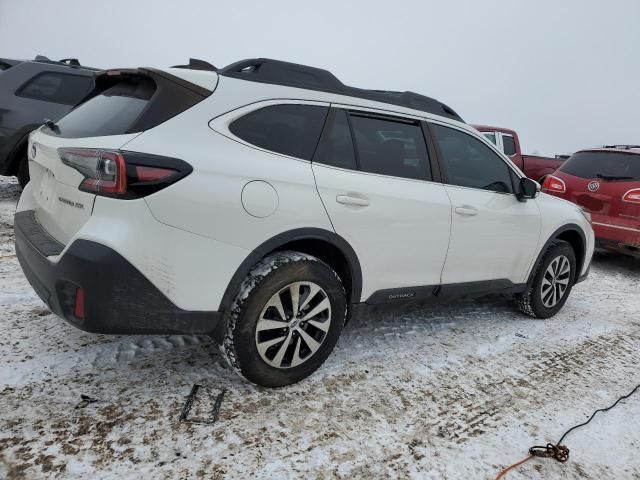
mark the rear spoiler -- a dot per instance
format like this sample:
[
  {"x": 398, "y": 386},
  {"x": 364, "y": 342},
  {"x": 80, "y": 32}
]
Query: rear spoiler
[{"x": 158, "y": 76}]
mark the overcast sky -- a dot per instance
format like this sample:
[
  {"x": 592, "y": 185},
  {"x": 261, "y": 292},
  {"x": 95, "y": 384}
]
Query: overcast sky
[{"x": 564, "y": 74}]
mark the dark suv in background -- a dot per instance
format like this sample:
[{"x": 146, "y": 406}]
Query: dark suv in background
[{"x": 32, "y": 92}]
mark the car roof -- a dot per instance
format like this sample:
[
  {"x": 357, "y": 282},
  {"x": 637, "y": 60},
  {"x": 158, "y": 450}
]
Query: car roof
[
  {"x": 277, "y": 72},
  {"x": 488, "y": 128},
  {"x": 65, "y": 62},
  {"x": 631, "y": 149}
]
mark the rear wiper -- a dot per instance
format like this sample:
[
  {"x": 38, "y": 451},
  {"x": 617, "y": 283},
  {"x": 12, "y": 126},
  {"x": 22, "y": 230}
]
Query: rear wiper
[
  {"x": 51, "y": 125},
  {"x": 612, "y": 177}
]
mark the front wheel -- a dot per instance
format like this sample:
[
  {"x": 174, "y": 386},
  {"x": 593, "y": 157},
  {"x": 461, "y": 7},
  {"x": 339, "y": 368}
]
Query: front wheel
[
  {"x": 552, "y": 282},
  {"x": 286, "y": 319}
]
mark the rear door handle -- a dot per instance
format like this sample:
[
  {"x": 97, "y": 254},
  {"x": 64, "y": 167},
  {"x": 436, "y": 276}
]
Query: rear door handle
[
  {"x": 467, "y": 211},
  {"x": 351, "y": 200}
]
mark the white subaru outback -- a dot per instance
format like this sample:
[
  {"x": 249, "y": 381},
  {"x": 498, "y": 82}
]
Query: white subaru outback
[{"x": 266, "y": 202}]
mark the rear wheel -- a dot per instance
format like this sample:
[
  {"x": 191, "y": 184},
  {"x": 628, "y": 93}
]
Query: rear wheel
[
  {"x": 552, "y": 282},
  {"x": 285, "y": 320},
  {"x": 23, "y": 171}
]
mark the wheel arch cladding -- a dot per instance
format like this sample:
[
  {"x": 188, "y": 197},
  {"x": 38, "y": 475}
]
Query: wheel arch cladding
[
  {"x": 328, "y": 246},
  {"x": 574, "y": 236}
]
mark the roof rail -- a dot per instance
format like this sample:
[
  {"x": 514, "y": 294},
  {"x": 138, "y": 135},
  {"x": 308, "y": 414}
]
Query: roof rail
[
  {"x": 621, "y": 147},
  {"x": 265, "y": 70},
  {"x": 196, "y": 64},
  {"x": 70, "y": 62}
]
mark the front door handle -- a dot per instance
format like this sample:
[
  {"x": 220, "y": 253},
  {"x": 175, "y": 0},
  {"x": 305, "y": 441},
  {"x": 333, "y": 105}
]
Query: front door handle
[
  {"x": 351, "y": 200},
  {"x": 466, "y": 211}
]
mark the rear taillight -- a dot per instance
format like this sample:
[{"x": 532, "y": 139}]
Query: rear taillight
[
  {"x": 104, "y": 171},
  {"x": 632, "y": 196},
  {"x": 554, "y": 185},
  {"x": 124, "y": 175}
]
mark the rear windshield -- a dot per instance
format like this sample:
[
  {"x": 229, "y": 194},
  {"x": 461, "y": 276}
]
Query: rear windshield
[
  {"x": 605, "y": 165},
  {"x": 113, "y": 112}
]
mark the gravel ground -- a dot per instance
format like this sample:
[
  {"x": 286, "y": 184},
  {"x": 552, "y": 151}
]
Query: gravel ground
[{"x": 444, "y": 392}]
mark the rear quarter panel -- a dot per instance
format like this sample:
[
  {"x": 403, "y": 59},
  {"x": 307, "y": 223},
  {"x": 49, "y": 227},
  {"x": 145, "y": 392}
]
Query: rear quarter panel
[{"x": 209, "y": 201}]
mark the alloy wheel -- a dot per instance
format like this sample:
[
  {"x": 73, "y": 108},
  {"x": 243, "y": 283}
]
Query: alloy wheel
[
  {"x": 293, "y": 325},
  {"x": 555, "y": 281}
]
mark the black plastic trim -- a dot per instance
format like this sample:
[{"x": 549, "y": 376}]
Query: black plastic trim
[
  {"x": 277, "y": 72},
  {"x": 444, "y": 292},
  {"x": 35, "y": 234},
  {"x": 197, "y": 64},
  {"x": 554, "y": 236},
  {"x": 397, "y": 299},
  {"x": 434, "y": 159},
  {"x": 119, "y": 299},
  {"x": 480, "y": 288},
  {"x": 402, "y": 295},
  {"x": 278, "y": 241}
]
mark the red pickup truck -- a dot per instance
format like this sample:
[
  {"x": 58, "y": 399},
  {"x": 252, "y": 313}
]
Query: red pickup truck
[{"x": 507, "y": 141}]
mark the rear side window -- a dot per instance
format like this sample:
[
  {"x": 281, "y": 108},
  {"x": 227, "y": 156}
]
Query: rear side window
[
  {"x": 605, "y": 165},
  {"x": 113, "y": 112},
  {"x": 389, "y": 147},
  {"x": 508, "y": 145},
  {"x": 470, "y": 163},
  {"x": 52, "y": 87},
  {"x": 291, "y": 129}
]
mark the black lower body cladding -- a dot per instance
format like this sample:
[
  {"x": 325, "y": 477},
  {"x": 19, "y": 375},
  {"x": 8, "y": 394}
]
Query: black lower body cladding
[{"x": 118, "y": 299}]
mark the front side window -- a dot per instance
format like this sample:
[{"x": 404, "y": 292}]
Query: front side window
[
  {"x": 290, "y": 129},
  {"x": 470, "y": 163},
  {"x": 508, "y": 144},
  {"x": 56, "y": 88},
  {"x": 389, "y": 147}
]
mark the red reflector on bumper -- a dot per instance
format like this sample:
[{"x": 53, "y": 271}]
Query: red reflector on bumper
[{"x": 78, "y": 310}]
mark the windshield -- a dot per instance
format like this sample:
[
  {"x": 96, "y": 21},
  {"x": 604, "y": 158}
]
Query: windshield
[{"x": 605, "y": 165}]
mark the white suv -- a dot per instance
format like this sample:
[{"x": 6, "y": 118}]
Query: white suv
[{"x": 266, "y": 202}]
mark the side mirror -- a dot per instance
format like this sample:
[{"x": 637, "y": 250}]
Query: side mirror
[{"x": 527, "y": 189}]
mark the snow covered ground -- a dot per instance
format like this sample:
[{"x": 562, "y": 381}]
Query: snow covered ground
[{"x": 444, "y": 392}]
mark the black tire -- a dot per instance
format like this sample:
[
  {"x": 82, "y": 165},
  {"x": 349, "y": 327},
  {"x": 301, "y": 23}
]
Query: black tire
[
  {"x": 22, "y": 171},
  {"x": 270, "y": 277},
  {"x": 532, "y": 300}
]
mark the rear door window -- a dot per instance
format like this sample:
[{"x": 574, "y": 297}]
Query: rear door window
[
  {"x": 63, "y": 88},
  {"x": 290, "y": 129},
  {"x": 336, "y": 148},
  {"x": 606, "y": 165},
  {"x": 470, "y": 163},
  {"x": 113, "y": 112},
  {"x": 390, "y": 147}
]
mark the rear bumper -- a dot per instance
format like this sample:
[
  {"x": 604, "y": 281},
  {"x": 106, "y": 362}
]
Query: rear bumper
[{"x": 118, "y": 299}]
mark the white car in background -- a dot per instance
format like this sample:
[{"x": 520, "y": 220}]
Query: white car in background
[{"x": 266, "y": 202}]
